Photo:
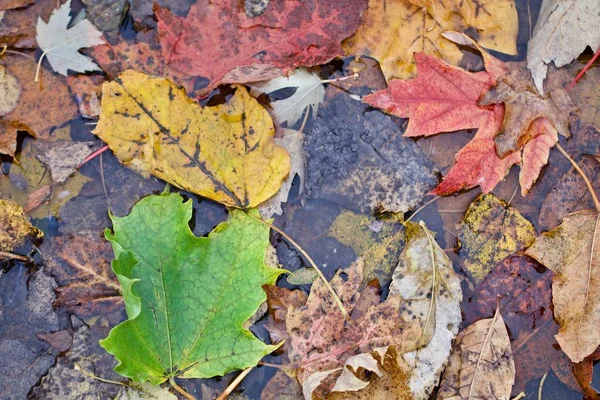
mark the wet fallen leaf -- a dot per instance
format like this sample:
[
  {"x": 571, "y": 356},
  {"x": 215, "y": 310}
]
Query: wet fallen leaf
[
  {"x": 225, "y": 153},
  {"x": 14, "y": 226},
  {"x": 431, "y": 99},
  {"x": 523, "y": 292},
  {"x": 357, "y": 158},
  {"x": 86, "y": 91},
  {"x": 86, "y": 285},
  {"x": 17, "y": 26},
  {"x": 39, "y": 109},
  {"x": 570, "y": 251},
  {"x": 286, "y": 35},
  {"x": 377, "y": 241},
  {"x": 143, "y": 14},
  {"x": 584, "y": 373},
  {"x": 540, "y": 138},
  {"x": 26, "y": 304},
  {"x": 585, "y": 96},
  {"x": 106, "y": 15},
  {"x": 563, "y": 31},
  {"x": 279, "y": 300},
  {"x": 281, "y": 387},
  {"x": 491, "y": 230},
  {"x": 293, "y": 142},
  {"x": 154, "y": 244},
  {"x": 10, "y": 90},
  {"x": 309, "y": 92},
  {"x": 62, "y": 157},
  {"x": 61, "y": 43},
  {"x": 524, "y": 105},
  {"x": 481, "y": 363},
  {"x": 321, "y": 342},
  {"x": 393, "y": 31},
  {"x": 431, "y": 289},
  {"x": 10, "y": 4}
]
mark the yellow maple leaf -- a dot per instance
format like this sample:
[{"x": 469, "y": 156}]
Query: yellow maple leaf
[
  {"x": 226, "y": 152},
  {"x": 393, "y": 30}
]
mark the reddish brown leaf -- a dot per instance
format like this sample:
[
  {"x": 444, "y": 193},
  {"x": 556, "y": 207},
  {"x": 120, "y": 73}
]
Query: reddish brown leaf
[
  {"x": 17, "y": 28},
  {"x": 583, "y": 372},
  {"x": 541, "y": 137},
  {"x": 81, "y": 267},
  {"x": 477, "y": 164},
  {"x": 41, "y": 107},
  {"x": 60, "y": 340},
  {"x": 286, "y": 35},
  {"x": 10, "y": 4},
  {"x": 279, "y": 300},
  {"x": 442, "y": 98}
]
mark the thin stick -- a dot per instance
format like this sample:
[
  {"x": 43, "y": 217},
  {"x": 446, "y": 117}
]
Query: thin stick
[
  {"x": 276, "y": 366},
  {"x": 541, "y": 386},
  {"x": 422, "y": 207},
  {"x": 104, "y": 183},
  {"x": 310, "y": 261},
  {"x": 180, "y": 389},
  {"x": 583, "y": 175},
  {"x": 340, "y": 79},
  {"x": 584, "y": 70},
  {"x": 78, "y": 368},
  {"x": 520, "y": 396},
  {"x": 94, "y": 154},
  {"x": 234, "y": 384},
  {"x": 5, "y": 254}
]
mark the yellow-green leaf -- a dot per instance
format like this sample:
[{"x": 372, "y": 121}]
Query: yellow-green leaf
[
  {"x": 14, "y": 226},
  {"x": 225, "y": 152},
  {"x": 491, "y": 230}
]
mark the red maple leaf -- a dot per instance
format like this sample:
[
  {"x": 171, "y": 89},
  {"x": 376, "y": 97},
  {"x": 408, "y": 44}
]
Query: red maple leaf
[{"x": 217, "y": 35}]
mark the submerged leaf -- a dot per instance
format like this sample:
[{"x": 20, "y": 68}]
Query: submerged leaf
[
  {"x": 571, "y": 251},
  {"x": 491, "y": 230},
  {"x": 225, "y": 153},
  {"x": 481, "y": 364},
  {"x": 14, "y": 227},
  {"x": 186, "y": 297}
]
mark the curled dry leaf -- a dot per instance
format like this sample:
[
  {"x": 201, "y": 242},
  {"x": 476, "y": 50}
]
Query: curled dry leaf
[
  {"x": 491, "y": 230},
  {"x": 14, "y": 226},
  {"x": 288, "y": 34},
  {"x": 225, "y": 153},
  {"x": 309, "y": 92},
  {"x": 524, "y": 105},
  {"x": 571, "y": 251},
  {"x": 293, "y": 142},
  {"x": 393, "y": 31},
  {"x": 431, "y": 290},
  {"x": 481, "y": 364},
  {"x": 563, "y": 31},
  {"x": 61, "y": 42}
]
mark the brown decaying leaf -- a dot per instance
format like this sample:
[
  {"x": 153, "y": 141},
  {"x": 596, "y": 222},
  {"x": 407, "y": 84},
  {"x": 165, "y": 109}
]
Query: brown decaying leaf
[
  {"x": 17, "y": 28},
  {"x": 491, "y": 230},
  {"x": 10, "y": 90},
  {"x": 586, "y": 95},
  {"x": 279, "y": 300},
  {"x": 524, "y": 295},
  {"x": 14, "y": 226},
  {"x": 481, "y": 365},
  {"x": 87, "y": 286},
  {"x": 584, "y": 373},
  {"x": 62, "y": 157},
  {"x": 40, "y": 108},
  {"x": 571, "y": 251},
  {"x": 10, "y": 4},
  {"x": 524, "y": 105},
  {"x": 321, "y": 341}
]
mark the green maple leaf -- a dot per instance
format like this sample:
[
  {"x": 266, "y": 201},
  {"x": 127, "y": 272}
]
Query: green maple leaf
[{"x": 186, "y": 297}]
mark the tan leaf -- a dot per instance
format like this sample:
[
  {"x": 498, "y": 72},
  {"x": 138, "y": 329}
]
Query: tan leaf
[
  {"x": 10, "y": 90},
  {"x": 524, "y": 105},
  {"x": 491, "y": 230},
  {"x": 571, "y": 251},
  {"x": 62, "y": 157},
  {"x": 481, "y": 365},
  {"x": 14, "y": 226},
  {"x": 392, "y": 31},
  {"x": 225, "y": 152}
]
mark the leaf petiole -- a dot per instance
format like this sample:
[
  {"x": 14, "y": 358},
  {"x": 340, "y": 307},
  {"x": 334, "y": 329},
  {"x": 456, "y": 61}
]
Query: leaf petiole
[
  {"x": 180, "y": 389},
  {"x": 583, "y": 175}
]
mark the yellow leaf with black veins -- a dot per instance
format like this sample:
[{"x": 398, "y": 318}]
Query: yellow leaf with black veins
[
  {"x": 14, "y": 226},
  {"x": 393, "y": 30},
  {"x": 225, "y": 152},
  {"x": 491, "y": 231}
]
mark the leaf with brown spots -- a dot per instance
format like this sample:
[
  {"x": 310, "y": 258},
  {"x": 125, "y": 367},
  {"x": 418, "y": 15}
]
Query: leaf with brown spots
[
  {"x": 17, "y": 28},
  {"x": 14, "y": 227},
  {"x": 481, "y": 365},
  {"x": 524, "y": 105},
  {"x": 226, "y": 153},
  {"x": 286, "y": 35},
  {"x": 571, "y": 251},
  {"x": 87, "y": 286}
]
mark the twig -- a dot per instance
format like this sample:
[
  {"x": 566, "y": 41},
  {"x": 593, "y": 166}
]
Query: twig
[
  {"x": 310, "y": 261},
  {"x": 276, "y": 366},
  {"x": 541, "y": 386},
  {"x": 583, "y": 175},
  {"x": 422, "y": 207},
  {"x": 91, "y": 156},
  {"x": 584, "y": 70},
  {"x": 78, "y": 368},
  {"x": 234, "y": 384},
  {"x": 104, "y": 183},
  {"x": 180, "y": 389},
  {"x": 5, "y": 254},
  {"x": 520, "y": 396}
]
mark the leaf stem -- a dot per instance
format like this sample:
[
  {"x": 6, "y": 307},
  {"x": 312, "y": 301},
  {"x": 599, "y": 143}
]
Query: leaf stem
[
  {"x": 180, "y": 389},
  {"x": 583, "y": 71},
  {"x": 583, "y": 175},
  {"x": 5, "y": 254},
  {"x": 234, "y": 384},
  {"x": 310, "y": 261},
  {"x": 422, "y": 207}
]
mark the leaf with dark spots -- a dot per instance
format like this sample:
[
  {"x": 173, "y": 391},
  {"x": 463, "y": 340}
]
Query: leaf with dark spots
[
  {"x": 226, "y": 152},
  {"x": 287, "y": 34},
  {"x": 359, "y": 159}
]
